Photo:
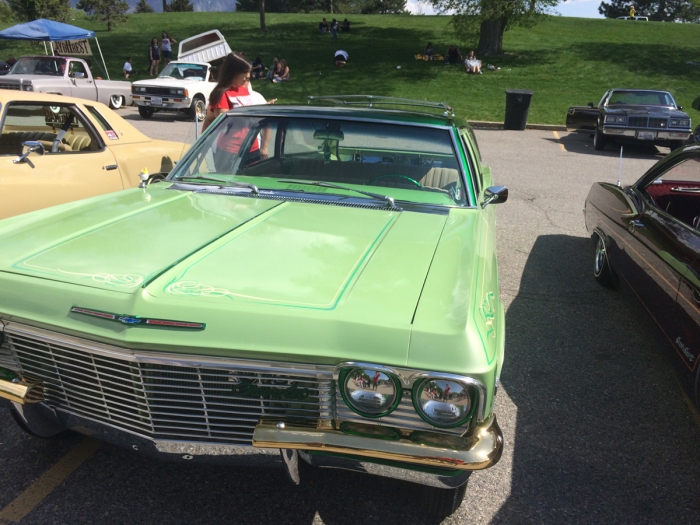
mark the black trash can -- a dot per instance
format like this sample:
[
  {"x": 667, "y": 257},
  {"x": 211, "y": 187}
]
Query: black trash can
[{"x": 517, "y": 108}]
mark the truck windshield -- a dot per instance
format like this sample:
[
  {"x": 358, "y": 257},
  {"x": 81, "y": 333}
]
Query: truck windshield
[
  {"x": 39, "y": 66},
  {"x": 182, "y": 70}
]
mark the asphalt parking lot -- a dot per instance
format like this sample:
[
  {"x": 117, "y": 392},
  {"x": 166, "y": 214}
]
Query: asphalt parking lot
[{"x": 597, "y": 429}]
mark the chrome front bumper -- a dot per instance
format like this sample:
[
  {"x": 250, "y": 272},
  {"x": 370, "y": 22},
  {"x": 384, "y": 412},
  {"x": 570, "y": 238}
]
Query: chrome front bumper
[
  {"x": 659, "y": 135},
  {"x": 168, "y": 102},
  {"x": 410, "y": 462}
]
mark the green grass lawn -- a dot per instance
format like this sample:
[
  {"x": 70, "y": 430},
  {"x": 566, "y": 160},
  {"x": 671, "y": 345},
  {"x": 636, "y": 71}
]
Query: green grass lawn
[{"x": 564, "y": 61}]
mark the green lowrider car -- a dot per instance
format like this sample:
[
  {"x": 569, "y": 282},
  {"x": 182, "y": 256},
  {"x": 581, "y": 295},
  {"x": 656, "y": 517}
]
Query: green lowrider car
[{"x": 319, "y": 281}]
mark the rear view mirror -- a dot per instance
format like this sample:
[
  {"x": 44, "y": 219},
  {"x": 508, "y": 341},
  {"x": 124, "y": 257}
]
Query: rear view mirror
[
  {"x": 495, "y": 195},
  {"x": 328, "y": 134},
  {"x": 33, "y": 146}
]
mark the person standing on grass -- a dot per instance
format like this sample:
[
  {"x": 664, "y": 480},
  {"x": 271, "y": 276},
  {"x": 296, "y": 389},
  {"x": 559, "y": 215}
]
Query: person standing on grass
[
  {"x": 153, "y": 57},
  {"x": 166, "y": 45},
  {"x": 632, "y": 11},
  {"x": 334, "y": 29}
]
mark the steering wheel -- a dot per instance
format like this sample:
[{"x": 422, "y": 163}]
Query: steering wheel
[{"x": 395, "y": 175}]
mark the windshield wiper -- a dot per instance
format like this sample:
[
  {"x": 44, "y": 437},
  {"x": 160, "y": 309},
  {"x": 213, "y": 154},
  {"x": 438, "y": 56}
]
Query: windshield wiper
[
  {"x": 385, "y": 198},
  {"x": 234, "y": 183}
]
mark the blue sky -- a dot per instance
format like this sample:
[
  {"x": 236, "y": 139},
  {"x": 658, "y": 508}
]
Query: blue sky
[{"x": 579, "y": 8}]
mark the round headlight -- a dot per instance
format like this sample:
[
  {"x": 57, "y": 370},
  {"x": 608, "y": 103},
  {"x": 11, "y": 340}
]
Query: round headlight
[
  {"x": 369, "y": 392},
  {"x": 443, "y": 402}
]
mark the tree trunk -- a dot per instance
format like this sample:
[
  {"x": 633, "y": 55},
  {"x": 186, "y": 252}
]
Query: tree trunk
[
  {"x": 165, "y": 6},
  {"x": 261, "y": 5},
  {"x": 330, "y": 6},
  {"x": 491, "y": 37}
]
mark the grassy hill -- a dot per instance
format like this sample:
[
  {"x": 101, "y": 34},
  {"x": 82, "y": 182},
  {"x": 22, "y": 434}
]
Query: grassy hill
[{"x": 564, "y": 61}]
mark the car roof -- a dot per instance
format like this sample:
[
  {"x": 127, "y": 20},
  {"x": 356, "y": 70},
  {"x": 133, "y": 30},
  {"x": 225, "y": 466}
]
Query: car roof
[{"x": 380, "y": 115}]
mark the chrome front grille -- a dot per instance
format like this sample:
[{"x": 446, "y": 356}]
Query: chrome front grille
[
  {"x": 171, "y": 402},
  {"x": 5, "y": 85},
  {"x": 176, "y": 397}
]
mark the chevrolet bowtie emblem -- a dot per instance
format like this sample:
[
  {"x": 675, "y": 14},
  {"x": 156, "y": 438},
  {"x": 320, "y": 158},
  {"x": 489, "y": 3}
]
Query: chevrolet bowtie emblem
[{"x": 134, "y": 320}]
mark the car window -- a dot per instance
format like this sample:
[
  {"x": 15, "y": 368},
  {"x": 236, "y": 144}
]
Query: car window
[
  {"x": 414, "y": 163},
  {"x": 180, "y": 70},
  {"x": 641, "y": 98},
  {"x": 76, "y": 67},
  {"x": 52, "y": 66},
  {"x": 677, "y": 191},
  {"x": 61, "y": 129},
  {"x": 102, "y": 121}
]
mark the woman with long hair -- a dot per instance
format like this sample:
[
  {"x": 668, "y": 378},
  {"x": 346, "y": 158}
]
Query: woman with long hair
[
  {"x": 231, "y": 92},
  {"x": 282, "y": 75},
  {"x": 166, "y": 44}
]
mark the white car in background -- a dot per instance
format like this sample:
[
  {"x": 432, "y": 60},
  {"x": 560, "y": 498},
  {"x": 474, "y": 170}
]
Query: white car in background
[{"x": 185, "y": 84}]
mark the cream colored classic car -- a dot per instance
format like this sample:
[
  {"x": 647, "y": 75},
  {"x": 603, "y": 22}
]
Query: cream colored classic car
[{"x": 56, "y": 149}]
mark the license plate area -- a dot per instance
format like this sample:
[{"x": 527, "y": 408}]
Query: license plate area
[
  {"x": 157, "y": 101},
  {"x": 646, "y": 135}
]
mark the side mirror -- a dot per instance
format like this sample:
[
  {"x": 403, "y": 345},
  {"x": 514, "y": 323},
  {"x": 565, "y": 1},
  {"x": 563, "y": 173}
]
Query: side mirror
[
  {"x": 78, "y": 74},
  {"x": 33, "y": 146},
  {"x": 495, "y": 195},
  {"x": 590, "y": 105},
  {"x": 680, "y": 107}
]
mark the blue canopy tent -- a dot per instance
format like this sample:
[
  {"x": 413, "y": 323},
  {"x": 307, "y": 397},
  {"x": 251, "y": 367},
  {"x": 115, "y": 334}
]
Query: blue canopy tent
[{"x": 49, "y": 31}]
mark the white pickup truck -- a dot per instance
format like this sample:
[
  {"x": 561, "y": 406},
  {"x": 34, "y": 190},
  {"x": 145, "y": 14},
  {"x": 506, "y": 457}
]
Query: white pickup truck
[
  {"x": 185, "y": 84},
  {"x": 66, "y": 76}
]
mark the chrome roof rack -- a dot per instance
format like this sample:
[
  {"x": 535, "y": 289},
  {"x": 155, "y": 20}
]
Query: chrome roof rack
[{"x": 373, "y": 100}]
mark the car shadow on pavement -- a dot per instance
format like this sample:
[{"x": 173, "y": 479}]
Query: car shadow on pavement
[
  {"x": 118, "y": 486},
  {"x": 602, "y": 433},
  {"x": 583, "y": 143}
]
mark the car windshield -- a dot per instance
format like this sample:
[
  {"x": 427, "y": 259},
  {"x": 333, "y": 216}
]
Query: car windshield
[
  {"x": 181, "y": 70},
  {"x": 410, "y": 163},
  {"x": 641, "y": 98},
  {"x": 39, "y": 66}
]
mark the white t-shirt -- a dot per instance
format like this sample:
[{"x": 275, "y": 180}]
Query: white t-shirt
[
  {"x": 166, "y": 44},
  {"x": 341, "y": 52},
  {"x": 257, "y": 98},
  {"x": 127, "y": 67}
]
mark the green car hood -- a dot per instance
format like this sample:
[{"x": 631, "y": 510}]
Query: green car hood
[{"x": 270, "y": 279}]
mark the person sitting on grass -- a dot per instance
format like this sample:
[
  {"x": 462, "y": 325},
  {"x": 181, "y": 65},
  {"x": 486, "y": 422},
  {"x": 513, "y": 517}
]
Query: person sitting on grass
[
  {"x": 274, "y": 70},
  {"x": 345, "y": 26},
  {"x": 453, "y": 56},
  {"x": 283, "y": 74},
  {"x": 341, "y": 58},
  {"x": 471, "y": 64},
  {"x": 258, "y": 70},
  {"x": 429, "y": 51},
  {"x": 323, "y": 27},
  {"x": 128, "y": 68}
]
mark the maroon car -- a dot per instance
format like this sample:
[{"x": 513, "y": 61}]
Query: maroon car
[{"x": 648, "y": 235}]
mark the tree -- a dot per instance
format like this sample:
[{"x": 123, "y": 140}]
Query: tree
[
  {"x": 6, "y": 13},
  {"x": 180, "y": 6},
  {"x": 111, "y": 12},
  {"x": 660, "y": 10},
  {"x": 487, "y": 20},
  {"x": 84, "y": 5},
  {"x": 383, "y": 7},
  {"x": 261, "y": 8},
  {"x": 28, "y": 10},
  {"x": 143, "y": 7}
]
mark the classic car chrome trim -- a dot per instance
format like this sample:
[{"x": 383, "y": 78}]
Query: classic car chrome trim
[
  {"x": 481, "y": 450},
  {"x": 20, "y": 389},
  {"x": 408, "y": 378}
]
